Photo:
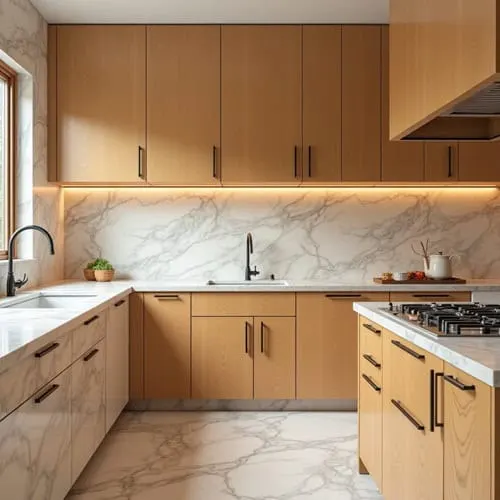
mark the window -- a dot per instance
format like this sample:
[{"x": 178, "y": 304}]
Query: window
[{"x": 7, "y": 154}]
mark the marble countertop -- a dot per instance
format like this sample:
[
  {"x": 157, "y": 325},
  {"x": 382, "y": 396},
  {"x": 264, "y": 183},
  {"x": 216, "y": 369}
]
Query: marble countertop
[{"x": 479, "y": 357}]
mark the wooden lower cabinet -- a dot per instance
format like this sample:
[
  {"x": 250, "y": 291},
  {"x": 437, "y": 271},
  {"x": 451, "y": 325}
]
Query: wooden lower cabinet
[
  {"x": 222, "y": 357},
  {"x": 327, "y": 344},
  {"x": 274, "y": 358},
  {"x": 167, "y": 345}
]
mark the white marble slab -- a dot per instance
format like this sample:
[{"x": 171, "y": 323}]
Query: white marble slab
[{"x": 479, "y": 357}]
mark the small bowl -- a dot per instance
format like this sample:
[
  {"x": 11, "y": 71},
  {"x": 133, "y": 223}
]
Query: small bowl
[
  {"x": 387, "y": 276},
  {"x": 104, "y": 276},
  {"x": 89, "y": 274},
  {"x": 400, "y": 276}
]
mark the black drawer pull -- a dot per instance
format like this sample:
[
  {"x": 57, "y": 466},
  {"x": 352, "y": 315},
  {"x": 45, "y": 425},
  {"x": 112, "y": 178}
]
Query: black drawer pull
[
  {"x": 46, "y": 394},
  {"x": 455, "y": 382},
  {"x": 431, "y": 295},
  {"x": 247, "y": 339},
  {"x": 371, "y": 383},
  {"x": 372, "y": 361},
  {"x": 90, "y": 355},
  {"x": 120, "y": 303},
  {"x": 408, "y": 415},
  {"x": 45, "y": 350},
  {"x": 262, "y": 326},
  {"x": 406, "y": 349},
  {"x": 91, "y": 320},
  {"x": 167, "y": 297},
  {"x": 343, "y": 295},
  {"x": 372, "y": 329}
]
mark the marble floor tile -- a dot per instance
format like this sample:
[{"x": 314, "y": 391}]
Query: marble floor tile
[{"x": 227, "y": 456}]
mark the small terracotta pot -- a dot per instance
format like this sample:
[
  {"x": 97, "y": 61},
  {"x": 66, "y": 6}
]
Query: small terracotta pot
[
  {"x": 104, "y": 275},
  {"x": 89, "y": 274}
]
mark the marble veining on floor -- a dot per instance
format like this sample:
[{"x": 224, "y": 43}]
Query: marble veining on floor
[{"x": 227, "y": 456}]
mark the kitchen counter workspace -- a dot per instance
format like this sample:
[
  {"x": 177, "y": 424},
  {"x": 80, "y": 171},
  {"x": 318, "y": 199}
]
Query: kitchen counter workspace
[{"x": 476, "y": 356}]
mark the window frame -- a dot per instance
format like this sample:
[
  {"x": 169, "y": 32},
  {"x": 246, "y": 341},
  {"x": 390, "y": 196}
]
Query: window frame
[{"x": 9, "y": 76}]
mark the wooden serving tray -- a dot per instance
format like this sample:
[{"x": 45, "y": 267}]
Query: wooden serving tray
[{"x": 426, "y": 281}]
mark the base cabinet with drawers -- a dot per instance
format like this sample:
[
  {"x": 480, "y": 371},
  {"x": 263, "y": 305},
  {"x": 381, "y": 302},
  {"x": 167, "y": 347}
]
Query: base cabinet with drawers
[{"x": 427, "y": 430}]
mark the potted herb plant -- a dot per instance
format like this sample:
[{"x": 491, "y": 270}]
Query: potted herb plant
[
  {"x": 103, "y": 270},
  {"x": 88, "y": 272}
]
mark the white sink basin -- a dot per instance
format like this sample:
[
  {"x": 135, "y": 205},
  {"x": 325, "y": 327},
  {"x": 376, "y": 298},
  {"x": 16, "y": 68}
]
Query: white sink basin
[
  {"x": 249, "y": 283},
  {"x": 51, "y": 302}
]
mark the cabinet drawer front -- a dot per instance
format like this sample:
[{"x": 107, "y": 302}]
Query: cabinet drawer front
[
  {"x": 53, "y": 358},
  {"x": 243, "y": 304},
  {"x": 370, "y": 342},
  {"x": 366, "y": 368},
  {"x": 89, "y": 333},
  {"x": 430, "y": 296}
]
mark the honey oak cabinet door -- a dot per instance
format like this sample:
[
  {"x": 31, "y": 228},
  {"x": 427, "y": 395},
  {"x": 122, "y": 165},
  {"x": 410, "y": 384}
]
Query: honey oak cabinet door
[
  {"x": 101, "y": 104},
  {"x": 327, "y": 344},
  {"x": 167, "y": 345},
  {"x": 261, "y": 104},
  {"x": 183, "y": 105},
  {"x": 361, "y": 103},
  {"x": 441, "y": 161},
  {"x": 479, "y": 162},
  {"x": 322, "y": 97},
  {"x": 222, "y": 354},
  {"x": 467, "y": 436},
  {"x": 274, "y": 354},
  {"x": 401, "y": 161}
]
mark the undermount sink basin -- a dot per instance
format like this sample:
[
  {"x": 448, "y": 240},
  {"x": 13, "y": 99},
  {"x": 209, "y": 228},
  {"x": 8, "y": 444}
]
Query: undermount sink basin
[
  {"x": 249, "y": 283},
  {"x": 51, "y": 302}
]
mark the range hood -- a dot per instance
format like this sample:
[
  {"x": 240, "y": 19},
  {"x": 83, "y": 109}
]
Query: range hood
[{"x": 444, "y": 70}]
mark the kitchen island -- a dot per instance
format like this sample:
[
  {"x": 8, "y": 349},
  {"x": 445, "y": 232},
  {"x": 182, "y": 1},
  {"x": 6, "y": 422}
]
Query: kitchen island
[{"x": 429, "y": 413}]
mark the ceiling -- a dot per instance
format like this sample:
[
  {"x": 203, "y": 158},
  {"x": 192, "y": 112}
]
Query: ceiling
[{"x": 214, "y": 11}]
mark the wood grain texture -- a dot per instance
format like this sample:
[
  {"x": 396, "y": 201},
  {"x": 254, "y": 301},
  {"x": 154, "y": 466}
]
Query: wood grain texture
[
  {"x": 136, "y": 352},
  {"x": 183, "y": 104},
  {"x": 361, "y": 103},
  {"x": 167, "y": 346},
  {"x": 221, "y": 367},
  {"x": 274, "y": 358},
  {"x": 438, "y": 51},
  {"x": 52, "y": 103},
  {"x": 322, "y": 104},
  {"x": 401, "y": 161},
  {"x": 478, "y": 162},
  {"x": 261, "y": 104},
  {"x": 441, "y": 160},
  {"x": 430, "y": 296},
  {"x": 327, "y": 345},
  {"x": 101, "y": 107},
  {"x": 468, "y": 439},
  {"x": 243, "y": 304}
]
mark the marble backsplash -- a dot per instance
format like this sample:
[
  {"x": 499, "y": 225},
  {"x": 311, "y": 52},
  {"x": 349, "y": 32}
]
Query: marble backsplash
[{"x": 310, "y": 234}]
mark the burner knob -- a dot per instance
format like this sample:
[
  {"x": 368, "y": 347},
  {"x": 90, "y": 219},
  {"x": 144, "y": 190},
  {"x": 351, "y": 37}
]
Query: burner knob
[{"x": 391, "y": 306}]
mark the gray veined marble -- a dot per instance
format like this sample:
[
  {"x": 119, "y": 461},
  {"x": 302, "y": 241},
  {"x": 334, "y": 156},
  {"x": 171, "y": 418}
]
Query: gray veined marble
[
  {"x": 227, "y": 456},
  {"x": 340, "y": 234}
]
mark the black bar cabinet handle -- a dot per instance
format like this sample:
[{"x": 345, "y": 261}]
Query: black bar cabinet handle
[
  {"x": 431, "y": 295},
  {"x": 436, "y": 399},
  {"x": 295, "y": 161},
  {"x": 90, "y": 355},
  {"x": 371, "y": 383},
  {"x": 450, "y": 161},
  {"x": 214, "y": 162},
  {"x": 167, "y": 297},
  {"x": 262, "y": 337},
  {"x": 119, "y": 303},
  {"x": 246, "y": 336},
  {"x": 371, "y": 360},
  {"x": 343, "y": 295},
  {"x": 91, "y": 320},
  {"x": 53, "y": 388},
  {"x": 433, "y": 401},
  {"x": 408, "y": 415},
  {"x": 309, "y": 161},
  {"x": 45, "y": 350},
  {"x": 372, "y": 329},
  {"x": 141, "y": 163},
  {"x": 460, "y": 385},
  {"x": 409, "y": 351}
]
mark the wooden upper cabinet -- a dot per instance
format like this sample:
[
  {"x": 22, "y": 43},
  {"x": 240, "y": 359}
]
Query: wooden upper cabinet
[
  {"x": 261, "y": 105},
  {"x": 401, "y": 161},
  {"x": 183, "y": 105},
  {"x": 479, "y": 162},
  {"x": 322, "y": 104},
  {"x": 361, "y": 103},
  {"x": 441, "y": 161},
  {"x": 101, "y": 89}
]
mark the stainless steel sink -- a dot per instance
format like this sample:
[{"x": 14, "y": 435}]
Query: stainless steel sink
[
  {"x": 249, "y": 283},
  {"x": 47, "y": 301}
]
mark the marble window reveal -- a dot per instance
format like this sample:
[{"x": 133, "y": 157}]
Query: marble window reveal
[{"x": 337, "y": 234}]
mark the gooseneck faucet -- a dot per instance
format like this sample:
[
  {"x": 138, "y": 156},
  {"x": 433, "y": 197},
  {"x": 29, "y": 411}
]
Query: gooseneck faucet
[
  {"x": 248, "y": 272},
  {"x": 12, "y": 284}
]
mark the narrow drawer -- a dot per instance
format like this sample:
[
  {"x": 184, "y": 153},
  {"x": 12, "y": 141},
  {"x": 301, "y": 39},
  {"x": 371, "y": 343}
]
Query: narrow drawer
[
  {"x": 52, "y": 359},
  {"x": 430, "y": 296},
  {"x": 370, "y": 370},
  {"x": 243, "y": 304},
  {"x": 370, "y": 338},
  {"x": 88, "y": 334}
]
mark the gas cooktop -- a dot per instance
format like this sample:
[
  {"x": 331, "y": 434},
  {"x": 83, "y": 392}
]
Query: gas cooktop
[{"x": 451, "y": 320}]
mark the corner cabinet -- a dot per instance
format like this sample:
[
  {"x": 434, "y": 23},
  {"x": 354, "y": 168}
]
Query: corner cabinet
[{"x": 100, "y": 94}]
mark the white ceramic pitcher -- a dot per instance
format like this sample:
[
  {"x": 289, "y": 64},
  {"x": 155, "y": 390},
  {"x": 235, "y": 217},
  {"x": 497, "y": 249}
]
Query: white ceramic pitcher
[{"x": 440, "y": 267}]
